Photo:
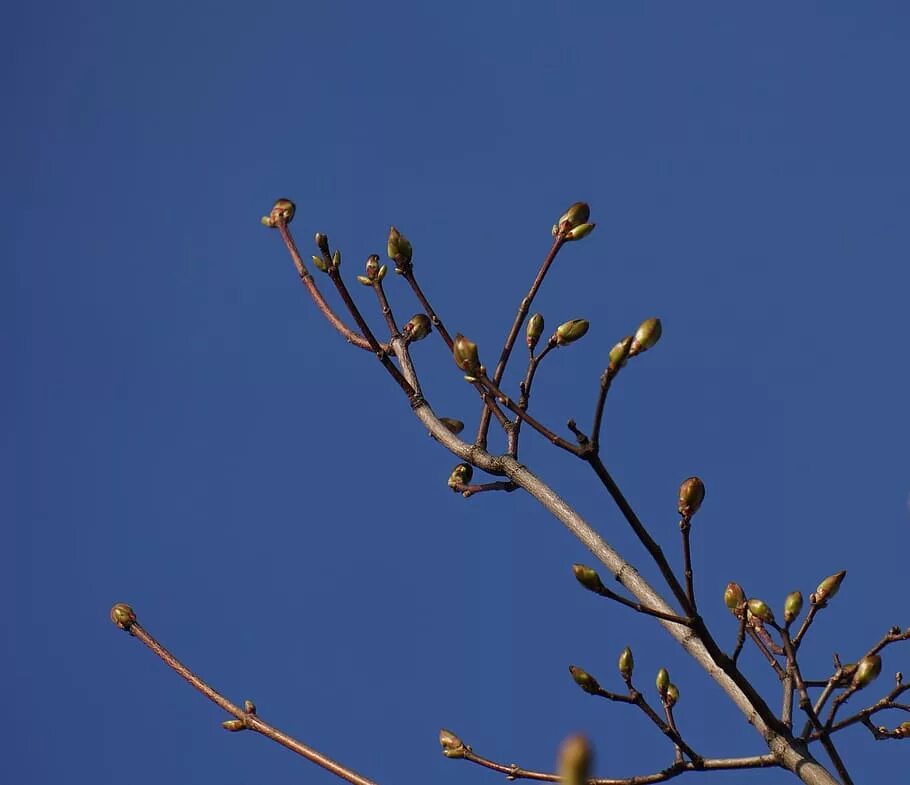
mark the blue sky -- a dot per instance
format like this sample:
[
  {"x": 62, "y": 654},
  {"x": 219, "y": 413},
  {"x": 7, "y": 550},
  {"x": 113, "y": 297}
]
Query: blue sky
[{"x": 189, "y": 436}]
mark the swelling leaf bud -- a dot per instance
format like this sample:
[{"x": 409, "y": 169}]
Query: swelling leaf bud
[
  {"x": 584, "y": 680},
  {"x": 691, "y": 495},
  {"x": 672, "y": 696},
  {"x": 575, "y": 760},
  {"x": 580, "y": 232},
  {"x": 362, "y": 279},
  {"x": 465, "y": 354},
  {"x": 760, "y": 610},
  {"x": 282, "y": 213},
  {"x": 646, "y": 336},
  {"x": 398, "y": 248},
  {"x": 662, "y": 681},
  {"x": 619, "y": 354},
  {"x": 336, "y": 258},
  {"x": 734, "y": 596},
  {"x": 626, "y": 663},
  {"x": 454, "y": 426},
  {"x": 588, "y": 578},
  {"x": 829, "y": 587},
  {"x": 233, "y": 725},
  {"x": 320, "y": 264},
  {"x": 571, "y": 331},
  {"x": 417, "y": 328},
  {"x": 322, "y": 243},
  {"x": 123, "y": 616},
  {"x": 372, "y": 266},
  {"x": 867, "y": 670},
  {"x": 792, "y": 606},
  {"x": 452, "y": 746},
  {"x": 577, "y": 214},
  {"x": 461, "y": 475},
  {"x": 534, "y": 330}
]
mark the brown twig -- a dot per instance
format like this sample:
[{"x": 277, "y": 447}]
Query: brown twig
[
  {"x": 525, "y": 387},
  {"x": 471, "y": 490},
  {"x": 386, "y": 308},
  {"x": 685, "y": 527}
]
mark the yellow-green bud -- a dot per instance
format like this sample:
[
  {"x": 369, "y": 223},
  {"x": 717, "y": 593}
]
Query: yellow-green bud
[
  {"x": 534, "y": 330},
  {"x": 626, "y": 663},
  {"x": 584, "y": 680},
  {"x": 461, "y": 475},
  {"x": 646, "y": 336},
  {"x": 760, "y": 610},
  {"x": 575, "y": 760},
  {"x": 452, "y": 746},
  {"x": 336, "y": 258},
  {"x": 867, "y": 670},
  {"x": 577, "y": 214},
  {"x": 372, "y": 266},
  {"x": 398, "y": 248},
  {"x": 672, "y": 695},
  {"x": 662, "y": 682},
  {"x": 123, "y": 616},
  {"x": 322, "y": 243},
  {"x": 734, "y": 596},
  {"x": 362, "y": 279},
  {"x": 793, "y": 604},
  {"x": 619, "y": 354},
  {"x": 455, "y": 426},
  {"x": 570, "y": 331},
  {"x": 282, "y": 213},
  {"x": 465, "y": 355},
  {"x": 580, "y": 232},
  {"x": 233, "y": 725},
  {"x": 829, "y": 587},
  {"x": 588, "y": 578},
  {"x": 691, "y": 495},
  {"x": 417, "y": 328},
  {"x": 320, "y": 264}
]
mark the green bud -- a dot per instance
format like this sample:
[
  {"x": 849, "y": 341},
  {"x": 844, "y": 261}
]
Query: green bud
[
  {"x": 619, "y": 354},
  {"x": 571, "y": 331},
  {"x": 588, "y": 578},
  {"x": 362, "y": 279},
  {"x": 465, "y": 354},
  {"x": 867, "y": 670},
  {"x": 461, "y": 475},
  {"x": 320, "y": 264},
  {"x": 322, "y": 243},
  {"x": 123, "y": 616},
  {"x": 233, "y": 725},
  {"x": 828, "y": 587},
  {"x": 282, "y": 213},
  {"x": 381, "y": 272},
  {"x": 584, "y": 680},
  {"x": 452, "y": 746},
  {"x": 577, "y": 214},
  {"x": 646, "y": 336},
  {"x": 793, "y": 604},
  {"x": 455, "y": 426},
  {"x": 580, "y": 232},
  {"x": 672, "y": 695},
  {"x": 399, "y": 249},
  {"x": 626, "y": 663},
  {"x": 760, "y": 610},
  {"x": 662, "y": 682},
  {"x": 691, "y": 495},
  {"x": 575, "y": 760},
  {"x": 534, "y": 330},
  {"x": 417, "y": 328},
  {"x": 734, "y": 596},
  {"x": 336, "y": 258}
]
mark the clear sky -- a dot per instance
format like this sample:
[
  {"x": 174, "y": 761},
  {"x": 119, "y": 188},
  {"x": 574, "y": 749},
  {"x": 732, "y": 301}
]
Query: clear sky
[{"x": 186, "y": 434}]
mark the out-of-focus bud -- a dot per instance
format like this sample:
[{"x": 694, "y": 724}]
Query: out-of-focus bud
[
  {"x": 465, "y": 354},
  {"x": 619, "y": 354},
  {"x": 867, "y": 670},
  {"x": 534, "y": 330},
  {"x": 575, "y": 760},
  {"x": 577, "y": 214},
  {"x": 322, "y": 243},
  {"x": 902, "y": 731},
  {"x": 672, "y": 695},
  {"x": 282, "y": 213},
  {"x": 417, "y": 328},
  {"x": 452, "y": 746},
  {"x": 828, "y": 587},
  {"x": 233, "y": 725},
  {"x": 760, "y": 610},
  {"x": 461, "y": 475},
  {"x": 646, "y": 336},
  {"x": 793, "y": 604},
  {"x": 320, "y": 264},
  {"x": 734, "y": 596},
  {"x": 691, "y": 495},
  {"x": 399, "y": 249},
  {"x": 249, "y": 707},
  {"x": 584, "y": 680},
  {"x": 123, "y": 616},
  {"x": 580, "y": 232},
  {"x": 336, "y": 258},
  {"x": 588, "y": 578},
  {"x": 626, "y": 663},
  {"x": 454, "y": 426},
  {"x": 570, "y": 331},
  {"x": 662, "y": 681}
]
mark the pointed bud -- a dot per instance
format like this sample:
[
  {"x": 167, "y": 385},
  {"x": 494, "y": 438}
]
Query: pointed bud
[
  {"x": 461, "y": 475},
  {"x": 282, "y": 213},
  {"x": 233, "y": 725},
  {"x": 336, "y": 258},
  {"x": 646, "y": 336},
  {"x": 417, "y": 328},
  {"x": 123, "y": 616},
  {"x": 534, "y": 330},
  {"x": 619, "y": 354},
  {"x": 381, "y": 272},
  {"x": 691, "y": 495},
  {"x": 320, "y": 264},
  {"x": 829, "y": 587},
  {"x": 672, "y": 695},
  {"x": 322, "y": 243},
  {"x": 454, "y": 426},
  {"x": 571, "y": 331},
  {"x": 626, "y": 663},
  {"x": 372, "y": 266},
  {"x": 580, "y": 232},
  {"x": 584, "y": 680},
  {"x": 575, "y": 761},
  {"x": 760, "y": 610},
  {"x": 792, "y": 606},
  {"x": 452, "y": 746},
  {"x": 662, "y": 682},
  {"x": 249, "y": 707},
  {"x": 576, "y": 215},
  {"x": 734, "y": 596},
  {"x": 398, "y": 248},
  {"x": 588, "y": 578},
  {"x": 362, "y": 279},
  {"x": 465, "y": 355},
  {"x": 867, "y": 670}
]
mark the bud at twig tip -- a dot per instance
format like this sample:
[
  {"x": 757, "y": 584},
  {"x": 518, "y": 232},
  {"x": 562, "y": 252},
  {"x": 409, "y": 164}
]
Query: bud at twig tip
[
  {"x": 461, "y": 475},
  {"x": 867, "y": 670},
  {"x": 691, "y": 495},
  {"x": 123, "y": 616},
  {"x": 734, "y": 596},
  {"x": 646, "y": 336},
  {"x": 570, "y": 331},
  {"x": 577, "y": 214},
  {"x": 534, "y": 330},
  {"x": 626, "y": 663},
  {"x": 828, "y": 587},
  {"x": 793, "y": 604},
  {"x": 760, "y": 610},
  {"x": 465, "y": 355},
  {"x": 588, "y": 578},
  {"x": 282, "y": 213},
  {"x": 584, "y": 680},
  {"x": 452, "y": 746},
  {"x": 662, "y": 681}
]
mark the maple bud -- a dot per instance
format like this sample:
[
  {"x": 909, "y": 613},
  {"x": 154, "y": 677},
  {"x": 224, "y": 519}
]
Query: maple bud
[
  {"x": 461, "y": 475},
  {"x": 452, "y": 746},
  {"x": 691, "y": 495},
  {"x": 123, "y": 616},
  {"x": 336, "y": 258},
  {"x": 760, "y": 610},
  {"x": 793, "y": 604},
  {"x": 829, "y": 587},
  {"x": 282, "y": 213},
  {"x": 619, "y": 354},
  {"x": 672, "y": 695},
  {"x": 662, "y": 681},
  {"x": 571, "y": 331},
  {"x": 734, "y": 596},
  {"x": 399, "y": 248},
  {"x": 580, "y": 232},
  {"x": 577, "y": 214},
  {"x": 646, "y": 336},
  {"x": 372, "y": 266},
  {"x": 534, "y": 330},
  {"x": 626, "y": 663},
  {"x": 588, "y": 578},
  {"x": 465, "y": 355},
  {"x": 584, "y": 680},
  {"x": 867, "y": 670}
]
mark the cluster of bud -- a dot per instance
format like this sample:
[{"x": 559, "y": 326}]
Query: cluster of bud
[
  {"x": 399, "y": 250},
  {"x": 282, "y": 213},
  {"x": 461, "y": 475},
  {"x": 374, "y": 271}
]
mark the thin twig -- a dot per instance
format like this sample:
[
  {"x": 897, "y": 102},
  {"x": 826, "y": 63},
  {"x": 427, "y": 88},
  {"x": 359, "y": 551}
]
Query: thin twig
[
  {"x": 525, "y": 387},
  {"x": 471, "y": 490},
  {"x": 685, "y": 527},
  {"x": 386, "y": 308}
]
